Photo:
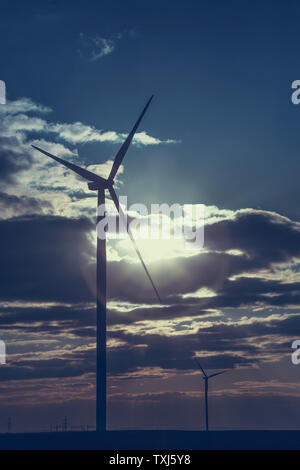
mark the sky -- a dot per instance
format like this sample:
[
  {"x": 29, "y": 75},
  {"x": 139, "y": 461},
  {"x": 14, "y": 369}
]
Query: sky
[{"x": 221, "y": 131}]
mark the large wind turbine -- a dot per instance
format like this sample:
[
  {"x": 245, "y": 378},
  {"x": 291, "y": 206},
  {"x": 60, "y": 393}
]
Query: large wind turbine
[
  {"x": 206, "y": 378},
  {"x": 97, "y": 183}
]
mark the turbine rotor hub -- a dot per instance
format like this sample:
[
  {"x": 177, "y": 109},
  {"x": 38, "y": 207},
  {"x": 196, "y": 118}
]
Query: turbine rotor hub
[{"x": 95, "y": 185}]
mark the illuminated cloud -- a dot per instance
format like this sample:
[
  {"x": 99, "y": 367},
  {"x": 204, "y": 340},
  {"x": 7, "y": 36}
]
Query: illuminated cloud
[
  {"x": 78, "y": 132},
  {"x": 23, "y": 105}
]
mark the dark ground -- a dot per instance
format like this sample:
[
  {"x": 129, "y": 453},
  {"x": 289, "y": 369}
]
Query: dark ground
[{"x": 154, "y": 440}]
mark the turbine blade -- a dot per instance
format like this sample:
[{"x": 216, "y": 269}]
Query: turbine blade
[
  {"x": 199, "y": 365},
  {"x": 122, "y": 215},
  {"x": 217, "y": 373},
  {"x": 121, "y": 153},
  {"x": 77, "y": 169}
]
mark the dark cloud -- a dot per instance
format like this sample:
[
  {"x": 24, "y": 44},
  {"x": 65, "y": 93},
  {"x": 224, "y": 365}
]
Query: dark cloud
[
  {"x": 45, "y": 369},
  {"x": 13, "y": 158},
  {"x": 254, "y": 232},
  {"x": 178, "y": 351},
  {"x": 63, "y": 363},
  {"x": 45, "y": 258},
  {"x": 263, "y": 240},
  {"x": 52, "y": 259},
  {"x": 155, "y": 350},
  {"x": 64, "y": 316},
  {"x": 228, "y": 344},
  {"x": 12, "y": 205}
]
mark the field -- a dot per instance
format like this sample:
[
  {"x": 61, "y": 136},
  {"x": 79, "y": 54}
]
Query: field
[{"x": 154, "y": 440}]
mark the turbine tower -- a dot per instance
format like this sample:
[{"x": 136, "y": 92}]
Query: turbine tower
[
  {"x": 206, "y": 378},
  {"x": 99, "y": 184}
]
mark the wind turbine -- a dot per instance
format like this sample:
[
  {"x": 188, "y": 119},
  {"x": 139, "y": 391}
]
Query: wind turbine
[
  {"x": 97, "y": 183},
  {"x": 206, "y": 378}
]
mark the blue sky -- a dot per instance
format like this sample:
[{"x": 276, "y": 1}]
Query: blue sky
[
  {"x": 221, "y": 131},
  {"x": 221, "y": 75}
]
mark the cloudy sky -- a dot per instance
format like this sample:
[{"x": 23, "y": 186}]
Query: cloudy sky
[{"x": 221, "y": 131}]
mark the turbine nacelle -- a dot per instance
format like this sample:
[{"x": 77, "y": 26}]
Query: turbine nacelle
[
  {"x": 96, "y": 186},
  {"x": 205, "y": 376}
]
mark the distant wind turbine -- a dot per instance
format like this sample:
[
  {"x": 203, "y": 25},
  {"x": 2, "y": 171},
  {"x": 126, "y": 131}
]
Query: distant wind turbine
[
  {"x": 100, "y": 184},
  {"x": 205, "y": 378}
]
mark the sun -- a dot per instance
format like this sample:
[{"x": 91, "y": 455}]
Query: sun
[{"x": 152, "y": 250}]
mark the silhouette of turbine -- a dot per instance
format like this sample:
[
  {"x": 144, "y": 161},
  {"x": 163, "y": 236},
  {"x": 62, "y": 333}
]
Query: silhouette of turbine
[
  {"x": 206, "y": 378},
  {"x": 100, "y": 184}
]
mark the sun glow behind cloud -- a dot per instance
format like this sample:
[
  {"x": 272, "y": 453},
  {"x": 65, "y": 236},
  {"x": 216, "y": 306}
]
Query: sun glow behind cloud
[{"x": 152, "y": 250}]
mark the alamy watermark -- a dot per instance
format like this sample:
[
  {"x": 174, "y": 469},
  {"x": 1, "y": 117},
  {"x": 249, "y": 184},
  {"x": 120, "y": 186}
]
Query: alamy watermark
[
  {"x": 296, "y": 354},
  {"x": 2, "y": 352},
  {"x": 2, "y": 92},
  {"x": 162, "y": 222}
]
